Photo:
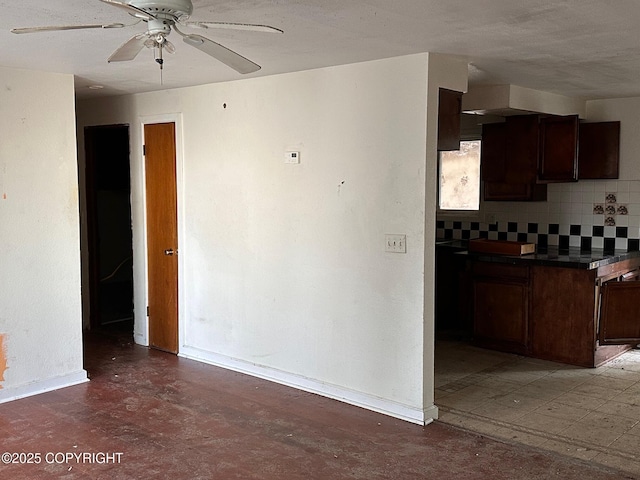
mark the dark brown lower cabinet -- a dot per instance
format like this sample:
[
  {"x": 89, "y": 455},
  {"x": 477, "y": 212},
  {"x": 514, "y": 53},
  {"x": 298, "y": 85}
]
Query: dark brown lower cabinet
[
  {"x": 568, "y": 315},
  {"x": 501, "y": 306},
  {"x": 619, "y": 312},
  {"x": 452, "y": 315},
  {"x": 564, "y": 328}
]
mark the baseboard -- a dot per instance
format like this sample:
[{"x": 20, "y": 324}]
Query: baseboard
[
  {"x": 43, "y": 386},
  {"x": 363, "y": 400},
  {"x": 140, "y": 339},
  {"x": 430, "y": 414}
]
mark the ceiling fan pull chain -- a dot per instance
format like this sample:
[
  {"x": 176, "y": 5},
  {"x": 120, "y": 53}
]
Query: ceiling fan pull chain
[{"x": 160, "y": 60}]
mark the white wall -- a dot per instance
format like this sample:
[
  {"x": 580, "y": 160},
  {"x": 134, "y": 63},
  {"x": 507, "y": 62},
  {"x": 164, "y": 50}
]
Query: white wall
[
  {"x": 284, "y": 270},
  {"x": 40, "y": 315}
]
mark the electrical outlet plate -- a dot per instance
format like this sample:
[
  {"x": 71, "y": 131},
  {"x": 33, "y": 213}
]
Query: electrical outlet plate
[{"x": 395, "y": 243}]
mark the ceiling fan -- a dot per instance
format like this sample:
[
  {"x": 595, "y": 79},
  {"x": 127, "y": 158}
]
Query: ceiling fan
[{"x": 161, "y": 17}]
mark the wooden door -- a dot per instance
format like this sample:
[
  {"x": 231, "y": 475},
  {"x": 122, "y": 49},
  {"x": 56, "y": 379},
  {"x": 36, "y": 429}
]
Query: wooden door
[
  {"x": 619, "y": 321},
  {"x": 162, "y": 235}
]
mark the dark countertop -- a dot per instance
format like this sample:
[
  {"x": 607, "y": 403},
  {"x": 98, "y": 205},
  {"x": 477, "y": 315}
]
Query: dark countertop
[{"x": 550, "y": 256}]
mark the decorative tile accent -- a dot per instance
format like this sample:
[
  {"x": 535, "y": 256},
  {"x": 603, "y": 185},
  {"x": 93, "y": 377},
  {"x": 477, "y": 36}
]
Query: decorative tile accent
[
  {"x": 610, "y": 221},
  {"x": 598, "y": 209},
  {"x": 611, "y": 198},
  {"x": 622, "y": 210},
  {"x": 610, "y": 209},
  {"x": 563, "y": 236}
]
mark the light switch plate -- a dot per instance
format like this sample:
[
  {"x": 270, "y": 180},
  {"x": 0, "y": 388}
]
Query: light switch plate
[{"x": 395, "y": 243}]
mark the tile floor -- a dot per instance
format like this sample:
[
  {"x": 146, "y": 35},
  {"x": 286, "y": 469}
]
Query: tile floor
[{"x": 591, "y": 414}]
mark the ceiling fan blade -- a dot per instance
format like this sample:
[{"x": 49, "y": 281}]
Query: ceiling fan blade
[
  {"x": 63, "y": 27},
  {"x": 129, "y": 49},
  {"x": 234, "y": 26},
  {"x": 135, "y": 11},
  {"x": 230, "y": 58}
]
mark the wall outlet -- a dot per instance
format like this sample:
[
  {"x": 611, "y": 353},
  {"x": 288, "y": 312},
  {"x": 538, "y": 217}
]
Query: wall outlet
[{"x": 395, "y": 243}]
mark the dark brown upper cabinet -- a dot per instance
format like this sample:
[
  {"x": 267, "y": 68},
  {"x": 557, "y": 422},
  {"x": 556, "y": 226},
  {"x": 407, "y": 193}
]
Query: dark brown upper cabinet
[
  {"x": 449, "y": 111},
  {"x": 599, "y": 150},
  {"x": 558, "y": 160},
  {"x": 510, "y": 160},
  {"x": 522, "y": 148},
  {"x": 493, "y": 152}
]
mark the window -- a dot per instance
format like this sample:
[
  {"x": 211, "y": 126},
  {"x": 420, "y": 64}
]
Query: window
[{"x": 459, "y": 183}]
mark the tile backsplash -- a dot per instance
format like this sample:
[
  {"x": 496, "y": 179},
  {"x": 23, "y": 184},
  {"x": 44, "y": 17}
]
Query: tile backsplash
[{"x": 587, "y": 214}]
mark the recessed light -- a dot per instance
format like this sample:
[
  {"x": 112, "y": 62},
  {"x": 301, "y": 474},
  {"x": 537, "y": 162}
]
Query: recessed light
[{"x": 96, "y": 87}]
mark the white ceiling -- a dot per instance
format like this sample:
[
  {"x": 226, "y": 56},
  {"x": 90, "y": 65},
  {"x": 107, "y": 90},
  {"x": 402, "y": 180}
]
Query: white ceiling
[{"x": 584, "y": 48}]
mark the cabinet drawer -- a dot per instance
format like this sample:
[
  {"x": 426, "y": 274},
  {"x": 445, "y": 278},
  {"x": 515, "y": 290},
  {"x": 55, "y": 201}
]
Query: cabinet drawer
[{"x": 502, "y": 270}]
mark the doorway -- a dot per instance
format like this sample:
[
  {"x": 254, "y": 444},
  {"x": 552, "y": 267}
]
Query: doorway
[{"x": 109, "y": 232}]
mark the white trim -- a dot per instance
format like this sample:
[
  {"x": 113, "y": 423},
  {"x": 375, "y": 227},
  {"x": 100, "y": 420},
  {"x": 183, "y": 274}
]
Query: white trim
[
  {"x": 430, "y": 414},
  {"x": 43, "y": 386},
  {"x": 175, "y": 118},
  {"x": 352, "y": 397}
]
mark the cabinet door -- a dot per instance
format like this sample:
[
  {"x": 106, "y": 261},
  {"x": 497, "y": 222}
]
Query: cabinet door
[
  {"x": 558, "y": 149},
  {"x": 522, "y": 149},
  {"x": 451, "y": 292},
  {"x": 509, "y": 160},
  {"x": 449, "y": 111},
  {"x": 493, "y": 152},
  {"x": 599, "y": 150},
  {"x": 619, "y": 319},
  {"x": 501, "y": 307}
]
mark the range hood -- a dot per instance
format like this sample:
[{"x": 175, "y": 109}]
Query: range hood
[{"x": 507, "y": 100}]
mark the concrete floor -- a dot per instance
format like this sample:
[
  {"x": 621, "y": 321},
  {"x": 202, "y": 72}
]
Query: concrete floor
[{"x": 173, "y": 418}]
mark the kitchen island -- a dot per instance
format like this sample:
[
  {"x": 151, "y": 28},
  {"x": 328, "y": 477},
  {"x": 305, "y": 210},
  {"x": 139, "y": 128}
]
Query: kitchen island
[{"x": 569, "y": 306}]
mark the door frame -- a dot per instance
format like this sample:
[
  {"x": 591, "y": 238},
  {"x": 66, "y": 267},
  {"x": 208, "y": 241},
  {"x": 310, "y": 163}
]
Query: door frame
[{"x": 141, "y": 278}]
